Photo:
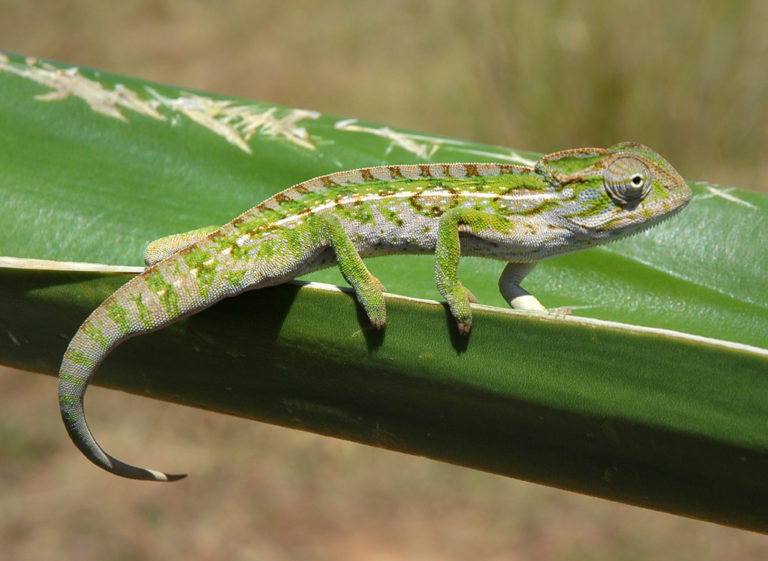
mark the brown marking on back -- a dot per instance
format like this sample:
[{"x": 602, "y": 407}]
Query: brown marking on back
[
  {"x": 282, "y": 197},
  {"x": 367, "y": 175},
  {"x": 471, "y": 170},
  {"x": 394, "y": 172},
  {"x": 327, "y": 181},
  {"x": 512, "y": 168},
  {"x": 424, "y": 170}
]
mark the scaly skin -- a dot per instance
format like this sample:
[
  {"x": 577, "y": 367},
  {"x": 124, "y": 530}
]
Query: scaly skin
[{"x": 570, "y": 200}]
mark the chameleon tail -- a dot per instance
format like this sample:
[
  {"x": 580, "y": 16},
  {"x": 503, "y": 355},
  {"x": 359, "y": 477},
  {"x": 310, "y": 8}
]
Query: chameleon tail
[{"x": 100, "y": 333}]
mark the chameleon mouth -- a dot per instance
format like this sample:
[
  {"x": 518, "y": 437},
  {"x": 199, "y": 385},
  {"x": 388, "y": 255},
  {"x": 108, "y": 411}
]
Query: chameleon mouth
[
  {"x": 633, "y": 215},
  {"x": 638, "y": 223}
]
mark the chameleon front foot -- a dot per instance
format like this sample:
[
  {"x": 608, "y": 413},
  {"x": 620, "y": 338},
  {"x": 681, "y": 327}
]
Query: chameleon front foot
[
  {"x": 519, "y": 298},
  {"x": 447, "y": 253},
  {"x": 459, "y": 299},
  {"x": 463, "y": 317},
  {"x": 526, "y": 302},
  {"x": 509, "y": 285}
]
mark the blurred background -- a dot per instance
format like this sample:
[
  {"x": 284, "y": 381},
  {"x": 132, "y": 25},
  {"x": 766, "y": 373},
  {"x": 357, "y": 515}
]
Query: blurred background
[{"x": 690, "y": 79}]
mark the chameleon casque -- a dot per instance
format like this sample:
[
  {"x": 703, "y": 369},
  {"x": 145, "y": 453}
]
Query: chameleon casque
[{"x": 569, "y": 200}]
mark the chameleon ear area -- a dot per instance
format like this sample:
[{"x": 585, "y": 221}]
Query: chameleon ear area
[{"x": 553, "y": 167}]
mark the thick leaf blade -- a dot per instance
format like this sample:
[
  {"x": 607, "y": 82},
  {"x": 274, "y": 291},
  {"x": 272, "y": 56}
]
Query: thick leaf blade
[{"x": 649, "y": 418}]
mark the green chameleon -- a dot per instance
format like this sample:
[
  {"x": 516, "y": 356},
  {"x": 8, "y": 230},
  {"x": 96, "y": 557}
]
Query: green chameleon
[{"x": 568, "y": 201}]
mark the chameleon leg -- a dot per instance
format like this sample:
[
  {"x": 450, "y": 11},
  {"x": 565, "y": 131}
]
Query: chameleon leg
[
  {"x": 368, "y": 289},
  {"x": 516, "y": 295},
  {"x": 447, "y": 252},
  {"x": 167, "y": 246}
]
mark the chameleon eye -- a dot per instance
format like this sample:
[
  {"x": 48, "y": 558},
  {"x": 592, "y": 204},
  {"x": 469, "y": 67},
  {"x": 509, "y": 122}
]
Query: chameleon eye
[{"x": 627, "y": 180}]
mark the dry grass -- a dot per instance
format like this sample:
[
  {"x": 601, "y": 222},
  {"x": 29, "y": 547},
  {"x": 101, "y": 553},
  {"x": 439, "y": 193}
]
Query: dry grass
[{"x": 687, "y": 78}]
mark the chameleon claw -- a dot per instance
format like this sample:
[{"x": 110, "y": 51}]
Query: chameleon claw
[
  {"x": 371, "y": 298},
  {"x": 378, "y": 325},
  {"x": 378, "y": 284},
  {"x": 470, "y": 297}
]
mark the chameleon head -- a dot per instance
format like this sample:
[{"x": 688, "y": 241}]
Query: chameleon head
[{"x": 616, "y": 191}]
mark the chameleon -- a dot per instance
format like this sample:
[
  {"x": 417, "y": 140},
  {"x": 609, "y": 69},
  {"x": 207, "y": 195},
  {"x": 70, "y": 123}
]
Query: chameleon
[{"x": 568, "y": 201}]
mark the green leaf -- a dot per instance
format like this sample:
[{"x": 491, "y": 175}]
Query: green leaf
[{"x": 94, "y": 166}]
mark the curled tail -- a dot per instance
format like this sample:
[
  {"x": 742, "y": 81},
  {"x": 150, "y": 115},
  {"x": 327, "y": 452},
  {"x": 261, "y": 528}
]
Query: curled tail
[
  {"x": 105, "y": 328},
  {"x": 182, "y": 278}
]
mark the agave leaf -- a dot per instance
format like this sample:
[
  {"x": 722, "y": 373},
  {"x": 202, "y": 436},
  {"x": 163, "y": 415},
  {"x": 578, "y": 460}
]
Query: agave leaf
[{"x": 93, "y": 166}]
